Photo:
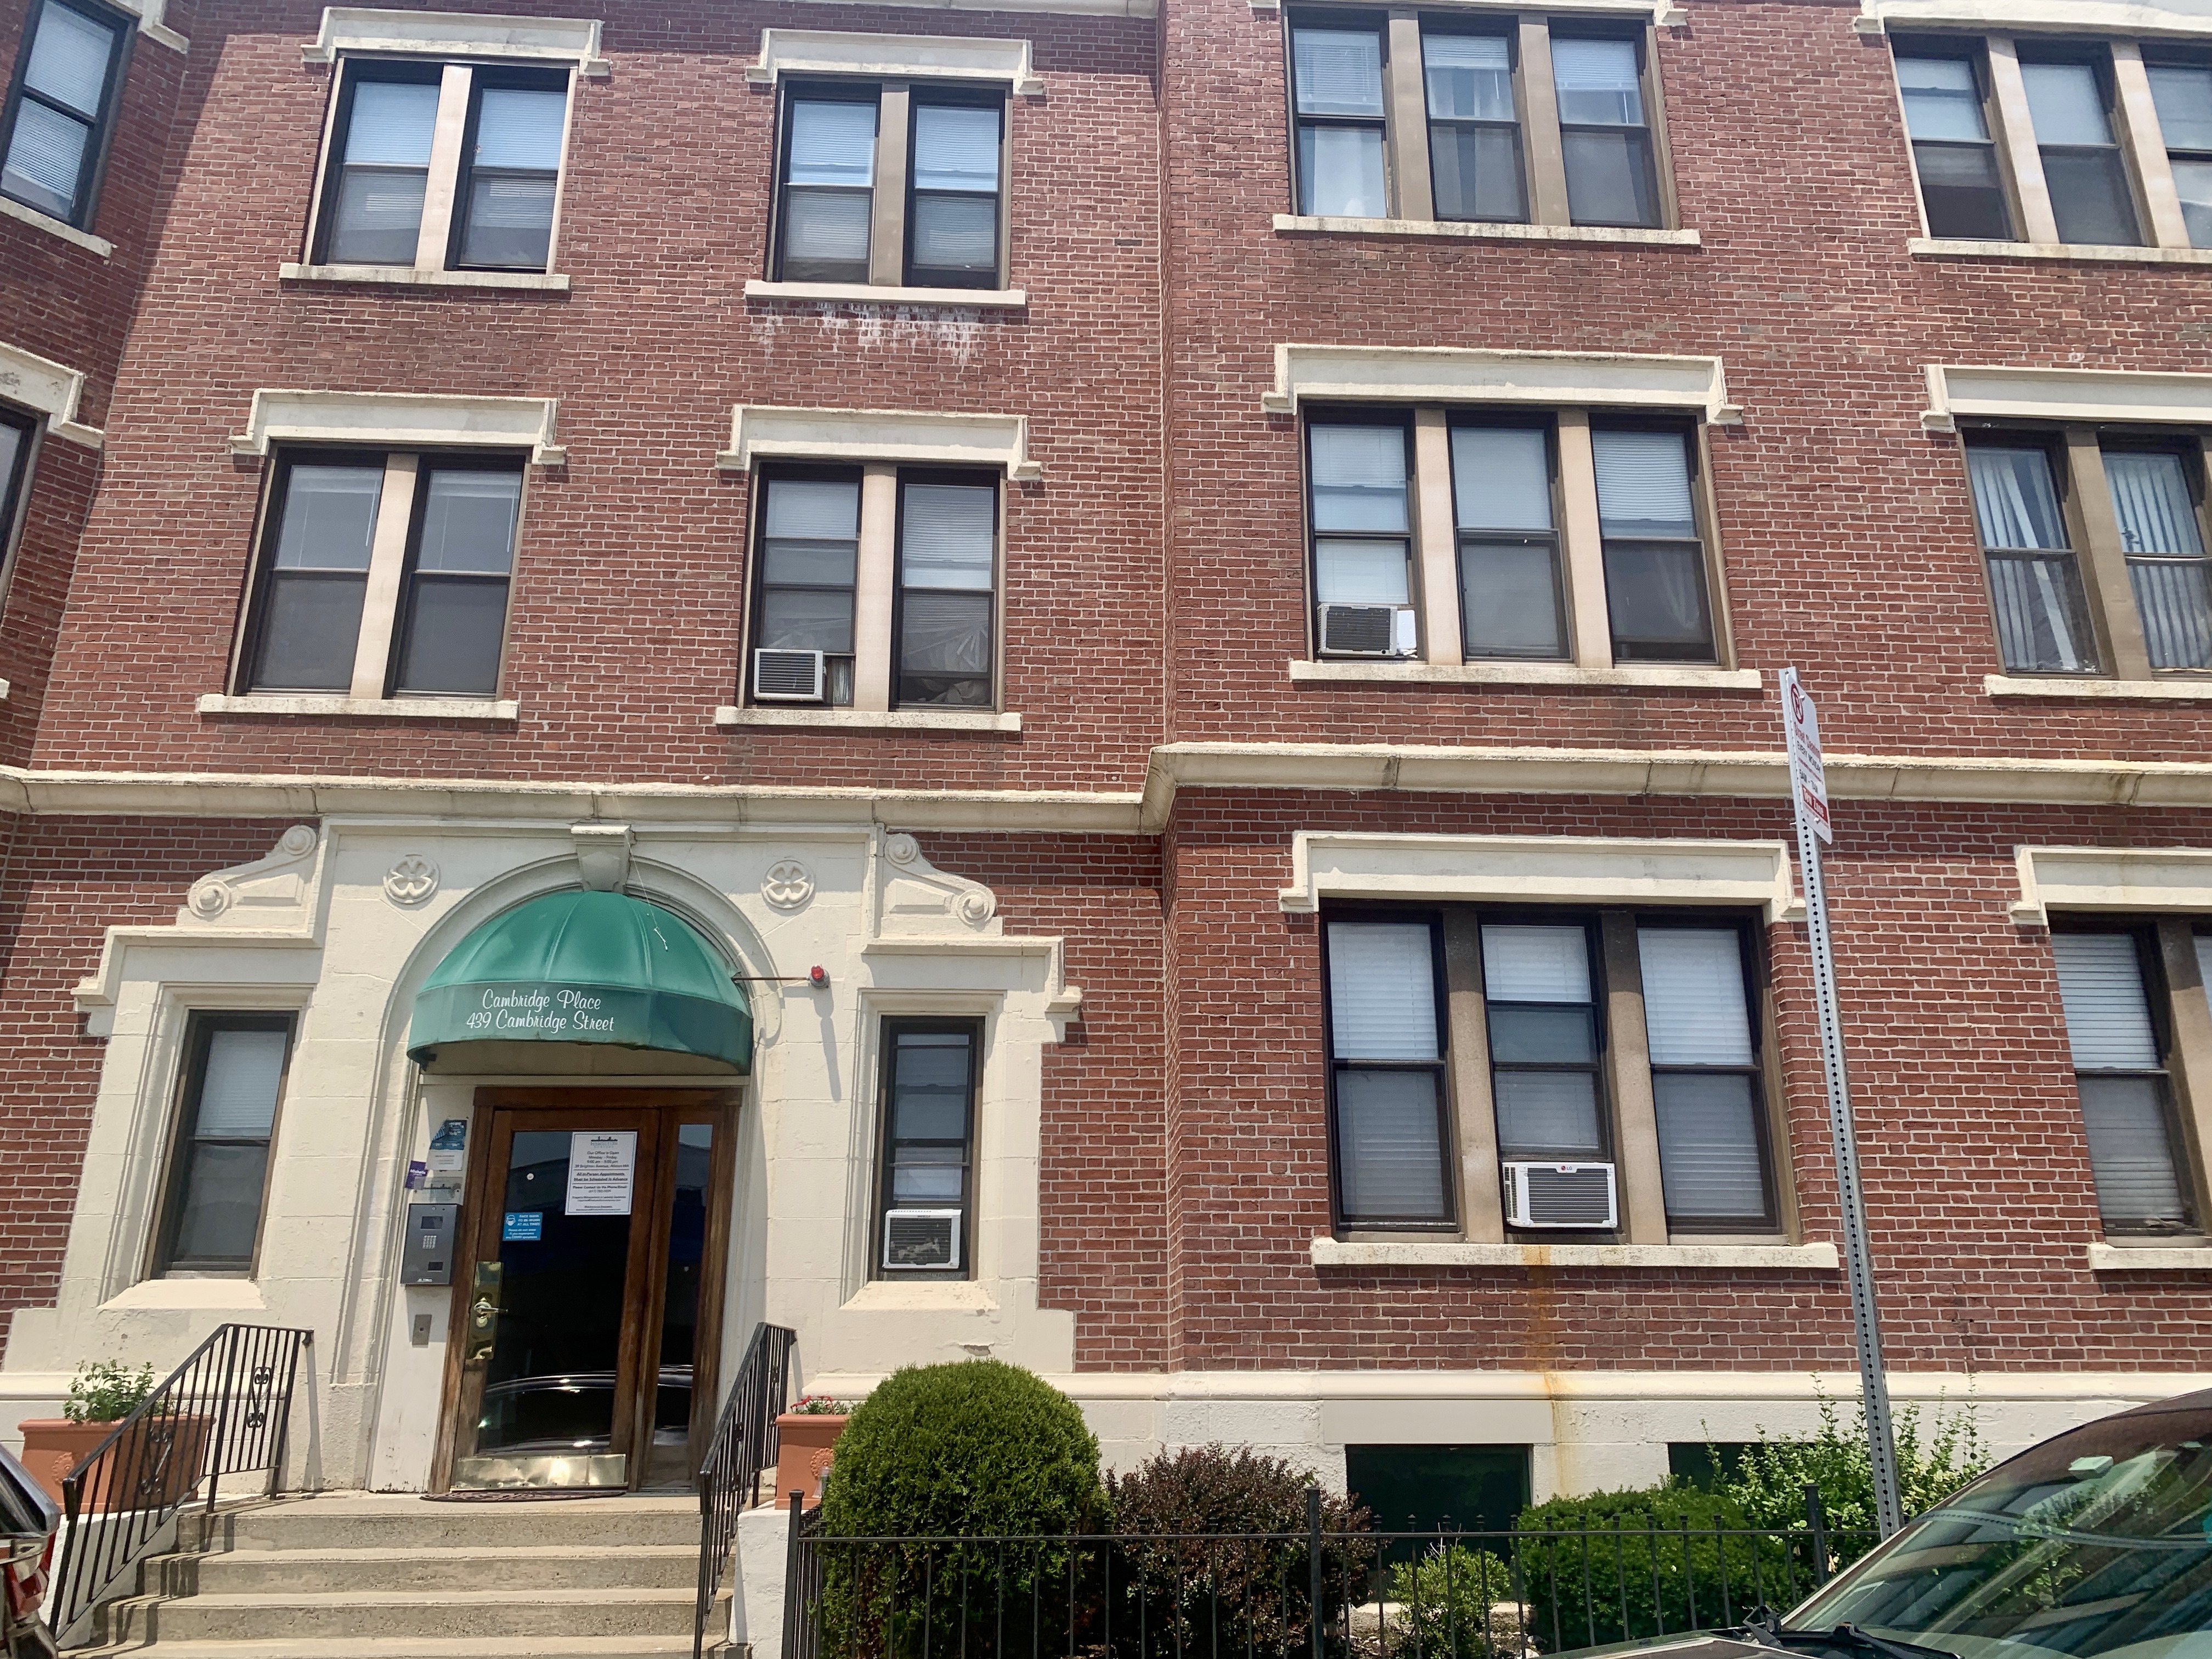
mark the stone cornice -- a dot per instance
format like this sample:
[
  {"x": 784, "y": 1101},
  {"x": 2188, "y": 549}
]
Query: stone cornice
[{"x": 1339, "y": 767}]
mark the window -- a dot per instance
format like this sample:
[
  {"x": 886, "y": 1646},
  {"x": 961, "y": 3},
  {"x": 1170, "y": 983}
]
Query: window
[
  {"x": 1514, "y": 123},
  {"x": 1511, "y": 550},
  {"x": 2071, "y": 105},
  {"x": 395, "y": 193},
  {"x": 2085, "y": 528},
  {"x": 891, "y": 184},
  {"x": 1420, "y": 1489},
  {"x": 906, "y": 558},
  {"x": 2182, "y": 92},
  {"x": 385, "y": 575},
  {"x": 233, "y": 1076},
  {"x": 929, "y": 1070},
  {"x": 2109, "y": 982},
  {"x": 1961, "y": 186},
  {"x": 1704, "y": 1464},
  {"x": 19, "y": 435},
  {"x": 61, "y": 110},
  {"x": 1611, "y": 1038}
]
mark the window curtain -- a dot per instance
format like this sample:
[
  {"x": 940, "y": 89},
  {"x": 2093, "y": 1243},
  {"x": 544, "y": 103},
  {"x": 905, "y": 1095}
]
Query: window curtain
[{"x": 2158, "y": 520}]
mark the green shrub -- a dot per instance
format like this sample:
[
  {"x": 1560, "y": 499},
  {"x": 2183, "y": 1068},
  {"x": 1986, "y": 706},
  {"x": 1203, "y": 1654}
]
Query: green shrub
[
  {"x": 1250, "y": 1589},
  {"x": 106, "y": 1391},
  {"x": 976, "y": 1449},
  {"x": 1769, "y": 1484},
  {"x": 1656, "y": 1565},
  {"x": 1449, "y": 1604}
]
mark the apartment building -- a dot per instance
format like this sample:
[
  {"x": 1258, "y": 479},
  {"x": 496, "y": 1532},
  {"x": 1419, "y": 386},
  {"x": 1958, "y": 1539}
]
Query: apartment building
[{"x": 1095, "y": 682}]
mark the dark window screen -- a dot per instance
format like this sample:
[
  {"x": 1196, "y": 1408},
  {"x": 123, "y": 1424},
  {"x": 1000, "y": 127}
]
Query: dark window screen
[{"x": 1421, "y": 1488}]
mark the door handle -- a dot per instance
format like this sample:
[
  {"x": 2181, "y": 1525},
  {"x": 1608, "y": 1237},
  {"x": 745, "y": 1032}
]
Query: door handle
[{"x": 483, "y": 1311}]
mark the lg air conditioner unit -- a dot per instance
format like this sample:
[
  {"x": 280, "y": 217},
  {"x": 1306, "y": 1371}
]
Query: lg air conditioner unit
[
  {"x": 1561, "y": 1195},
  {"x": 921, "y": 1241},
  {"x": 787, "y": 675},
  {"x": 1368, "y": 631}
]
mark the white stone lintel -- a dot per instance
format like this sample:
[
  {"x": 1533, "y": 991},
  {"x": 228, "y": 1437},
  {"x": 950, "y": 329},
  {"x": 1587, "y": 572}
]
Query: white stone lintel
[
  {"x": 52, "y": 389},
  {"x": 2078, "y": 395},
  {"x": 1464, "y": 374},
  {"x": 457, "y": 34},
  {"x": 2137, "y": 880},
  {"x": 760, "y": 431},
  {"x": 907, "y": 57},
  {"x": 401, "y": 420}
]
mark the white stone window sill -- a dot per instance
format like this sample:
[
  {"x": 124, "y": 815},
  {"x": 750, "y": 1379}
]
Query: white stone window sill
[
  {"x": 1481, "y": 232},
  {"x": 2150, "y": 1257},
  {"x": 12, "y": 209},
  {"x": 1453, "y": 1253},
  {"x": 409, "y": 277},
  {"x": 1340, "y": 670},
  {"x": 231, "y": 1291},
  {"x": 1944, "y": 248},
  {"x": 397, "y": 708},
  {"x": 1006, "y": 299},
  {"x": 874, "y": 719},
  {"x": 2009, "y": 685},
  {"x": 929, "y": 1295}
]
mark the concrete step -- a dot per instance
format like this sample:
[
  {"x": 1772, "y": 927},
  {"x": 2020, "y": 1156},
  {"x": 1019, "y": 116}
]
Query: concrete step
[
  {"x": 481, "y": 1647},
  {"x": 295, "y": 1616},
  {"x": 449, "y": 1567},
  {"x": 382, "y": 1521}
]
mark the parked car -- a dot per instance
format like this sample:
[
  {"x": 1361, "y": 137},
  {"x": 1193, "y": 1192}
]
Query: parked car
[
  {"x": 28, "y": 1521},
  {"x": 2096, "y": 1544}
]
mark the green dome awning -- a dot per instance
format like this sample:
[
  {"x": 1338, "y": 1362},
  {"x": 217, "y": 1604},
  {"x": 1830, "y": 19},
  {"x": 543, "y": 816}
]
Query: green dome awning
[{"x": 583, "y": 967}]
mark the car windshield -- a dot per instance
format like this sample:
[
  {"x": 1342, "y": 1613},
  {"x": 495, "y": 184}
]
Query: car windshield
[{"x": 2096, "y": 1543}]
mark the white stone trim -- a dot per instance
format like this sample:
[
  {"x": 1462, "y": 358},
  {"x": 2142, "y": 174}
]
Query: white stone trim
[
  {"x": 759, "y": 431},
  {"x": 1308, "y": 224},
  {"x": 2028, "y": 685},
  {"x": 1665, "y": 12},
  {"x": 1539, "y": 870},
  {"x": 873, "y": 719},
  {"x": 2064, "y": 394},
  {"x": 1451, "y": 1252},
  {"x": 1043, "y": 7},
  {"x": 401, "y": 420},
  {"x": 457, "y": 34},
  {"x": 2122, "y": 1259},
  {"x": 49, "y": 388},
  {"x": 869, "y": 294},
  {"x": 2111, "y": 17},
  {"x": 1354, "y": 671},
  {"x": 1937, "y": 247},
  {"x": 417, "y": 709},
  {"x": 30, "y": 215},
  {"x": 1461, "y": 374},
  {"x": 2135, "y": 879},
  {"x": 417, "y": 276},
  {"x": 149, "y": 14},
  {"x": 907, "y": 57}
]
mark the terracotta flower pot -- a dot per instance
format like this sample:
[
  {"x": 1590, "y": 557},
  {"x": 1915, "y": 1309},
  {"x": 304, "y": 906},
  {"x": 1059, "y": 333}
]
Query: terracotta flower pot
[
  {"x": 806, "y": 1443},
  {"x": 154, "y": 1464}
]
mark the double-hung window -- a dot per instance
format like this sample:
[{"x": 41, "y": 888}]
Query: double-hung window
[
  {"x": 218, "y": 1159},
  {"x": 925, "y": 1208},
  {"x": 1456, "y": 120},
  {"x": 1569, "y": 538},
  {"x": 2113, "y": 993},
  {"x": 384, "y": 575},
  {"x": 2182, "y": 94},
  {"x": 891, "y": 184},
  {"x": 876, "y": 588},
  {"x": 1946, "y": 118},
  {"x": 61, "y": 107},
  {"x": 443, "y": 166},
  {"x": 1612, "y": 1043},
  {"x": 2096, "y": 543},
  {"x": 18, "y": 436},
  {"x": 2070, "y": 101}
]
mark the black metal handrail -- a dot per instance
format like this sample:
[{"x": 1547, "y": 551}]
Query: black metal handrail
[
  {"x": 227, "y": 1410},
  {"x": 744, "y": 1443}
]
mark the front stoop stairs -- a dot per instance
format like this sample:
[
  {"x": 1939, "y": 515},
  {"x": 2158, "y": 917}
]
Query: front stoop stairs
[{"x": 391, "y": 1576}]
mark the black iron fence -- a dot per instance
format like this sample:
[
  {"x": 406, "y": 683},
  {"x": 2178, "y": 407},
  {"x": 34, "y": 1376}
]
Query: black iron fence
[
  {"x": 744, "y": 1445},
  {"x": 1446, "y": 1594},
  {"x": 226, "y": 1411}
]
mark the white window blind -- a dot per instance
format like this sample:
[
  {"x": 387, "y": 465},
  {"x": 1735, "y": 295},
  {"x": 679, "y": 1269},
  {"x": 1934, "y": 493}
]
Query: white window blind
[
  {"x": 1382, "y": 989},
  {"x": 2131, "y": 1151},
  {"x": 956, "y": 148},
  {"x": 1709, "y": 1164},
  {"x": 1535, "y": 965},
  {"x": 1389, "y": 1159},
  {"x": 1597, "y": 83},
  {"x": 833, "y": 144},
  {"x": 518, "y": 128},
  {"x": 1694, "y": 1006},
  {"x": 1941, "y": 100},
  {"x": 1470, "y": 77},
  {"x": 946, "y": 538},
  {"x": 1643, "y": 485},
  {"x": 1338, "y": 71},
  {"x": 69, "y": 59},
  {"x": 238, "y": 1100},
  {"x": 2107, "y": 1015},
  {"x": 1359, "y": 478},
  {"x": 391, "y": 124},
  {"x": 1501, "y": 479},
  {"x": 829, "y": 511}
]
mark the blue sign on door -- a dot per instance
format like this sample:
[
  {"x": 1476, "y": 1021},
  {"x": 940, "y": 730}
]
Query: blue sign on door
[{"x": 524, "y": 1227}]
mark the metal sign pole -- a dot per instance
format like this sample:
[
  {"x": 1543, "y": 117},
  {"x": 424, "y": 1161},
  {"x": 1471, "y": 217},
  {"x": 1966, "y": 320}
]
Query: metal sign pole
[{"x": 1809, "y": 801}]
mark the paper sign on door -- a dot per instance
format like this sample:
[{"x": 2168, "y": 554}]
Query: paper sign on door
[{"x": 602, "y": 1168}]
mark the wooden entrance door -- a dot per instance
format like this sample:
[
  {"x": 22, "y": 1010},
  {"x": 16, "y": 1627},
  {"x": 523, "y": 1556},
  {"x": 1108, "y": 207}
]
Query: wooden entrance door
[{"x": 587, "y": 1310}]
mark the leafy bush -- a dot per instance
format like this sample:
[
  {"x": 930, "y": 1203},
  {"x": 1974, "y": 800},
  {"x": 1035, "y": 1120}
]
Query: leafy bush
[
  {"x": 1768, "y": 1486},
  {"x": 1656, "y": 1566},
  {"x": 1245, "y": 1585},
  {"x": 976, "y": 1449},
  {"x": 105, "y": 1391},
  {"x": 1448, "y": 1605}
]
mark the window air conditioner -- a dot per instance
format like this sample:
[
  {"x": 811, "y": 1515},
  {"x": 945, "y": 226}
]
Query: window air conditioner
[
  {"x": 1368, "y": 631},
  {"x": 787, "y": 675},
  {"x": 1560, "y": 1196},
  {"x": 924, "y": 1239}
]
